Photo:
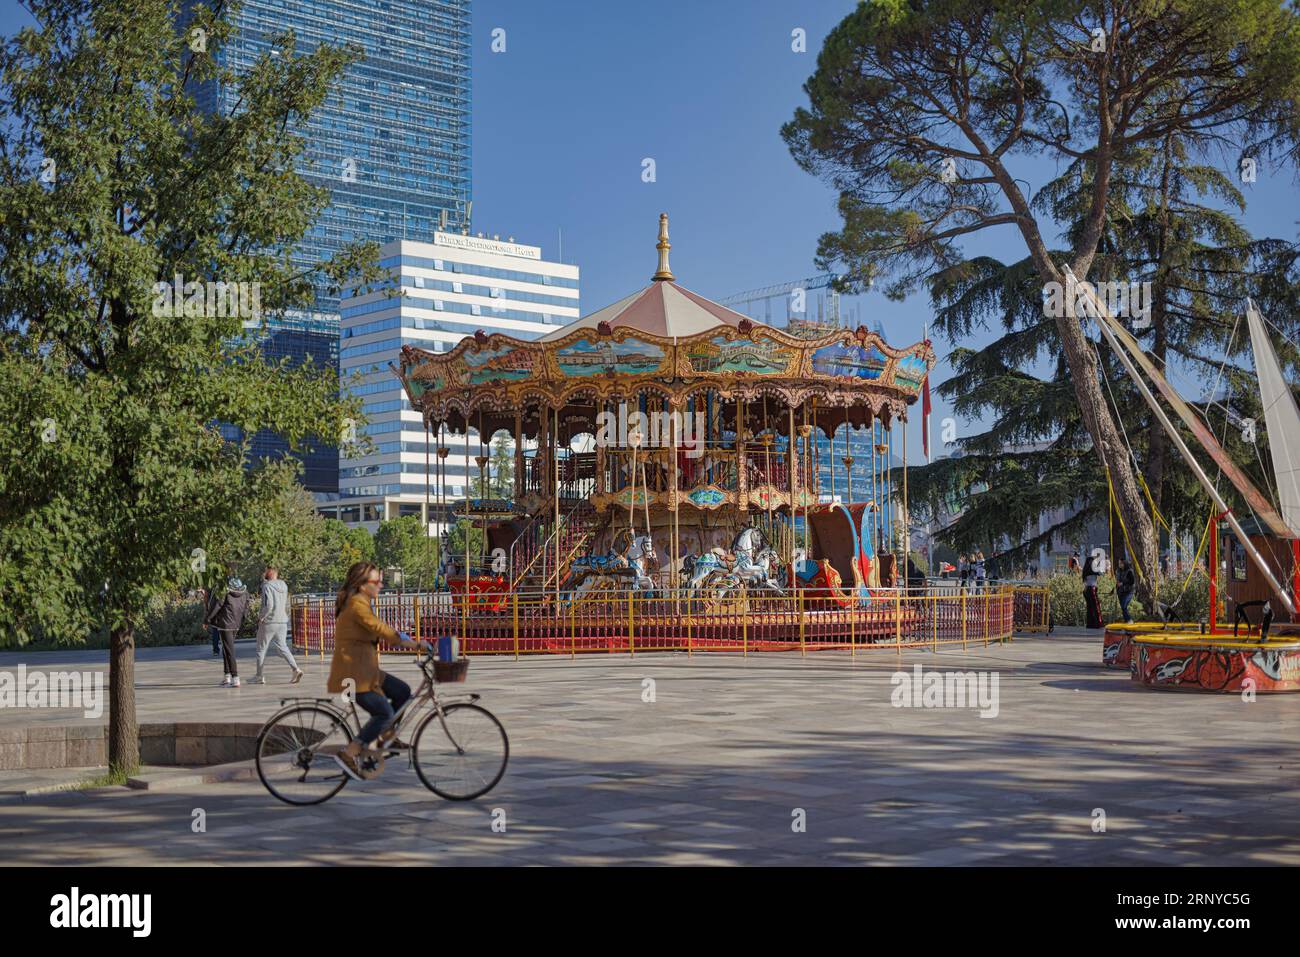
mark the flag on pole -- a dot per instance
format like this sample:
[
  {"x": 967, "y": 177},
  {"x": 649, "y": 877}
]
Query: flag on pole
[{"x": 925, "y": 417}]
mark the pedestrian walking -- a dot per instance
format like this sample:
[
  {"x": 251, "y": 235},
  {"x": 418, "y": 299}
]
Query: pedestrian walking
[
  {"x": 963, "y": 569},
  {"x": 228, "y": 617},
  {"x": 1090, "y": 573},
  {"x": 980, "y": 573},
  {"x": 211, "y": 602},
  {"x": 273, "y": 625},
  {"x": 1125, "y": 583}
]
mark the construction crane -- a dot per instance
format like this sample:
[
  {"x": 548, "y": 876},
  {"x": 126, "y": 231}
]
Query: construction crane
[{"x": 783, "y": 291}]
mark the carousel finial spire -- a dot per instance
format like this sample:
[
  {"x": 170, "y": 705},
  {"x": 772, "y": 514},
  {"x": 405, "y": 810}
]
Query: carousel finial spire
[{"x": 663, "y": 246}]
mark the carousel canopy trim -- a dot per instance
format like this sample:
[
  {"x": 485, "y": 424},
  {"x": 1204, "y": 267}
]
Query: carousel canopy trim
[{"x": 662, "y": 340}]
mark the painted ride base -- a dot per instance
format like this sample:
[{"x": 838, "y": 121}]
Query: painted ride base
[{"x": 1186, "y": 660}]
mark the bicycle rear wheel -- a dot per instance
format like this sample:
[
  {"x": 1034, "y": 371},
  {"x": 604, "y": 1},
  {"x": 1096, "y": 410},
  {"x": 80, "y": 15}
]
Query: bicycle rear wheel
[
  {"x": 464, "y": 756},
  {"x": 295, "y": 754}
]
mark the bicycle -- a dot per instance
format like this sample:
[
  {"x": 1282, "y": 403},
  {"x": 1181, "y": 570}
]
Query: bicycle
[{"x": 296, "y": 746}]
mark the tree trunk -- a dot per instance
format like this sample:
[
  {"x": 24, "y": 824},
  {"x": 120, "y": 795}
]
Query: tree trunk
[
  {"x": 1110, "y": 447},
  {"x": 123, "y": 726}
]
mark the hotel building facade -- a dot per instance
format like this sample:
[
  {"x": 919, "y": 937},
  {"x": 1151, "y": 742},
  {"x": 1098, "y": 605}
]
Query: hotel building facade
[{"x": 451, "y": 287}]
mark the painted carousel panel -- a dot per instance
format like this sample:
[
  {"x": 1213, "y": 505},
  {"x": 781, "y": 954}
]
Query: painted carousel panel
[
  {"x": 587, "y": 357},
  {"x": 503, "y": 364},
  {"x": 909, "y": 372},
  {"x": 866, "y": 362},
  {"x": 709, "y": 497},
  {"x": 723, "y": 354}
]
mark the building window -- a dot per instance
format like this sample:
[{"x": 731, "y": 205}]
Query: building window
[
  {"x": 437, "y": 304},
  {"x": 409, "y": 508},
  {"x": 419, "y": 282},
  {"x": 476, "y": 310},
  {"x": 457, "y": 287}
]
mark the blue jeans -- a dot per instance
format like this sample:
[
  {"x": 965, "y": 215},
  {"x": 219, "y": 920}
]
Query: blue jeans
[
  {"x": 382, "y": 707},
  {"x": 1124, "y": 599},
  {"x": 215, "y": 634}
]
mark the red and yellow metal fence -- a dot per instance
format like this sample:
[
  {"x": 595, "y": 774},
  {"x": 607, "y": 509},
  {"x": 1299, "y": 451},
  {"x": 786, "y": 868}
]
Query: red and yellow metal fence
[
  {"x": 1033, "y": 609},
  {"x": 628, "y": 622}
]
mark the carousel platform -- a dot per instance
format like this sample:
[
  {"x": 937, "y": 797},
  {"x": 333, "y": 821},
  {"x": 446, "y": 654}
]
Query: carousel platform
[{"x": 1180, "y": 657}]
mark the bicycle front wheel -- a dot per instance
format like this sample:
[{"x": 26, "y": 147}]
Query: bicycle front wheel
[
  {"x": 295, "y": 754},
  {"x": 464, "y": 754}
]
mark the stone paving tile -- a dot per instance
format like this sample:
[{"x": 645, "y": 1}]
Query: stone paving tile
[{"x": 709, "y": 773}]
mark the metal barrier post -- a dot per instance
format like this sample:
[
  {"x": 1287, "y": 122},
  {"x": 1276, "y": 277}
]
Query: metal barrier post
[
  {"x": 934, "y": 614},
  {"x": 986, "y": 619},
  {"x": 799, "y": 592},
  {"x": 631, "y": 627},
  {"x": 320, "y": 626},
  {"x": 514, "y": 619},
  {"x": 853, "y": 622},
  {"x": 690, "y": 648},
  {"x": 963, "y": 621},
  {"x": 744, "y": 622},
  {"x": 573, "y": 628},
  {"x": 898, "y": 619}
]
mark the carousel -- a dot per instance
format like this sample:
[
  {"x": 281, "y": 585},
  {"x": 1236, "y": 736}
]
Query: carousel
[{"x": 668, "y": 450}]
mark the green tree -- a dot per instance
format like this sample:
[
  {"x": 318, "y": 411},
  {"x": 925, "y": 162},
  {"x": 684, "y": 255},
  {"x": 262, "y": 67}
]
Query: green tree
[
  {"x": 1200, "y": 264},
  {"x": 343, "y": 547},
  {"x": 404, "y": 543},
  {"x": 117, "y": 481},
  {"x": 919, "y": 109}
]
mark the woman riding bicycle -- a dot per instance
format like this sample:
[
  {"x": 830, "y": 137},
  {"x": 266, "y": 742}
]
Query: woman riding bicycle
[{"x": 357, "y": 634}]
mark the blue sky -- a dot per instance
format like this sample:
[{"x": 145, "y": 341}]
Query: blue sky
[{"x": 587, "y": 89}]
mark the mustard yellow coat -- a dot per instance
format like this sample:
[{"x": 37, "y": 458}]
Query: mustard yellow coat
[{"x": 357, "y": 634}]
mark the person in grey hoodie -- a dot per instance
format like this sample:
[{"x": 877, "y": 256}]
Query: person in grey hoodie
[
  {"x": 273, "y": 625},
  {"x": 228, "y": 617}
]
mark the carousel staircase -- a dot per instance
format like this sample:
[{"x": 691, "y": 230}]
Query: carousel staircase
[{"x": 534, "y": 565}]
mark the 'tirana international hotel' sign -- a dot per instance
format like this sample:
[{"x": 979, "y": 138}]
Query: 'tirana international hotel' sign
[{"x": 473, "y": 243}]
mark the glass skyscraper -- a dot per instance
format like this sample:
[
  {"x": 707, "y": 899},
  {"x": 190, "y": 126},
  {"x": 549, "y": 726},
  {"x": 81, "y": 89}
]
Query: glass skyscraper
[{"x": 391, "y": 142}]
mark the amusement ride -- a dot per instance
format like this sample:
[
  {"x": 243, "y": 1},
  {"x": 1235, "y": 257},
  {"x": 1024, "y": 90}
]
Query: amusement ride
[{"x": 668, "y": 457}]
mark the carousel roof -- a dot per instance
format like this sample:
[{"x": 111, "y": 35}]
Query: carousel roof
[
  {"x": 662, "y": 308},
  {"x": 668, "y": 341}
]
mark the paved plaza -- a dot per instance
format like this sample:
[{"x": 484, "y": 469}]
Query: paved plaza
[{"x": 725, "y": 761}]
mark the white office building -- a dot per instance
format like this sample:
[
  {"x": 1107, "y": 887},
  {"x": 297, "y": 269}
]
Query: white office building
[{"x": 451, "y": 288}]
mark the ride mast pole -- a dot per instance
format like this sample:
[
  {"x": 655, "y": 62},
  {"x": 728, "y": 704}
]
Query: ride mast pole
[
  {"x": 1214, "y": 570},
  {"x": 1104, "y": 324}
]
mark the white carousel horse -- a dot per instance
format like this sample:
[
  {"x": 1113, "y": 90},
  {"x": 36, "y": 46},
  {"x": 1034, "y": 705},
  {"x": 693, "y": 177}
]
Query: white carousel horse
[
  {"x": 639, "y": 555},
  {"x": 759, "y": 572},
  {"x": 751, "y": 564}
]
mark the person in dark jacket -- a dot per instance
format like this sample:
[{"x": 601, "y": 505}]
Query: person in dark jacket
[
  {"x": 1125, "y": 583},
  {"x": 228, "y": 617},
  {"x": 211, "y": 602},
  {"x": 1091, "y": 572}
]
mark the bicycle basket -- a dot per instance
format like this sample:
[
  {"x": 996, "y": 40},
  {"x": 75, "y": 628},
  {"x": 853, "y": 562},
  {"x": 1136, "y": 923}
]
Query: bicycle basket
[{"x": 450, "y": 671}]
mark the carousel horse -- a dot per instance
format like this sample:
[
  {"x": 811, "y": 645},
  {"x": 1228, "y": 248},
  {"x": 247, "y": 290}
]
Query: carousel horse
[
  {"x": 698, "y": 568},
  {"x": 638, "y": 556},
  {"x": 760, "y": 572},
  {"x": 751, "y": 563}
]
